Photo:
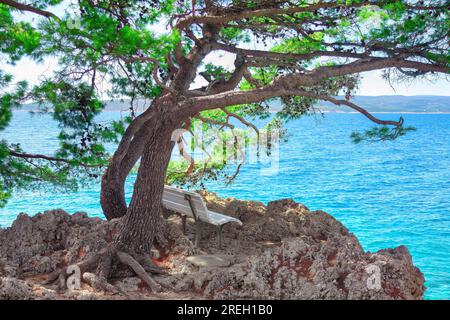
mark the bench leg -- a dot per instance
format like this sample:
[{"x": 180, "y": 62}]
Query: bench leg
[
  {"x": 198, "y": 233},
  {"x": 220, "y": 236},
  {"x": 183, "y": 219}
]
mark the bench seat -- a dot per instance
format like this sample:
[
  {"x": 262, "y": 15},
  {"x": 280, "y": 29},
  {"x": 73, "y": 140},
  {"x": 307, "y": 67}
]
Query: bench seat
[
  {"x": 191, "y": 204},
  {"x": 220, "y": 219}
]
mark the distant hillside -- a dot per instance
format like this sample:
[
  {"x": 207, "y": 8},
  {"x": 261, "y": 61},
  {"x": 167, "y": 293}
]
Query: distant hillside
[
  {"x": 371, "y": 103},
  {"x": 111, "y": 105},
  {"x": 395, "y": 104}
]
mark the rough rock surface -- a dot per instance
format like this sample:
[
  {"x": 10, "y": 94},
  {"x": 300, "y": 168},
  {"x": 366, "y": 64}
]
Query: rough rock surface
[
  {"x": 283, "y": 251},
  {"x": 209, "y": 261}
]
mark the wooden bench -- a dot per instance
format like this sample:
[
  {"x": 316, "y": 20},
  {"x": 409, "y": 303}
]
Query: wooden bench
[{"x": 191, "y": 204}]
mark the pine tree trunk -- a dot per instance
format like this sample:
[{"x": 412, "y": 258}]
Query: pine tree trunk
[
  {"x": 142, "y": 218},
  {"x": 132, "y": 245},
  {"x": 112, "y": 194}
]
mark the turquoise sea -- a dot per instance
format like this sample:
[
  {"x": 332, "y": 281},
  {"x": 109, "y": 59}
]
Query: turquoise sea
[{"x": 387, "y": 193}]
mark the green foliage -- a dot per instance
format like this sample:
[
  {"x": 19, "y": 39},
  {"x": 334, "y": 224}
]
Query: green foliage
[
  {"x": 295, "y": 107},
  {"x": 16, "y": 38},
  {"x": 22, "y": 173},
  {"x": 202, "y": 171},
  {"x": 234, "y": 36},
  {"x": 73, "y": 105},
  {"x": 380, "y": 133},
  {"x": 213, "y": 73},
  {"x": 301, "y": 45}
]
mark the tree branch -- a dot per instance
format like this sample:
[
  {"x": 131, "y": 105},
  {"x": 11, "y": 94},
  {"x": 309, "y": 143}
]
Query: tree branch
[
  {"x": 224, "y": 85},
  {"x": 156, "y": 64},
  {"x": 44, "y": 157},
  {"x": 214, "y": 122},
  {"x": 289, "y": 85},
  {"x": 242, "y": 120},
  {"x": 26, "y": 7},
  {"x": 353, "y": 106},
  {"x": 221, "y": 19},
  {"x": 225, "y": 18},
  {"x": 284, "y": 56}
]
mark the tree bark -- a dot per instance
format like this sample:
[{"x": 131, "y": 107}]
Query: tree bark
[
  {"x": 142, "y": 218},
  {"x": 112, "y": 194}
]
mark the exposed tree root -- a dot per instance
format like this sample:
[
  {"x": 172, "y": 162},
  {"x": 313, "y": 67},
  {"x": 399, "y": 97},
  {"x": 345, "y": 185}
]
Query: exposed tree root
[
  {"x": 104, "y": 262},
  {"x": 61, "y": 275},
  {"x": 98, "y": 283},
  {"x": 128, "y": 260},
  {"x": 146, "y": 263}
]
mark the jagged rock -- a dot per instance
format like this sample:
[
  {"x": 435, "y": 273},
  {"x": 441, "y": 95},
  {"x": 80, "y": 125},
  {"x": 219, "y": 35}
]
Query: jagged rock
[
  {"x": 30, "y": 239},
  {"x": 15, "y": 289},
  {"x": 202, "y": 279},
  {"x": 283, "y": 251},
  {"x": 7, "y": 269},
  {"x": 43, "y": 293},
  {"x": 301, "y": 270},
  {"x": 82, "y": 295}
]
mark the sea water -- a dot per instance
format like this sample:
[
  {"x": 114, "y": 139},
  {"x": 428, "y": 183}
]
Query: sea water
[{"x": 387, "y": 193}]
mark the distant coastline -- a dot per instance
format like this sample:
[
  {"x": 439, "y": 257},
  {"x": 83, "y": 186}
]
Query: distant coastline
[
  {"x": 394, "y": 104},
  {"x": 385, "y": 112},
  {"x": 373, "y": 104}
]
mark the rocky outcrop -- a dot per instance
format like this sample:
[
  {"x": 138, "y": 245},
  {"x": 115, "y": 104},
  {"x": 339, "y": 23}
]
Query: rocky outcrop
[
  {"x": 283, "y": 251},
  {"x": 14, "y": 289}
]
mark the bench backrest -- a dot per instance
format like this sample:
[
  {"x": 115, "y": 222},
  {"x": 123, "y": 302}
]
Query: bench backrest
[{"x": 176, "y": 200}]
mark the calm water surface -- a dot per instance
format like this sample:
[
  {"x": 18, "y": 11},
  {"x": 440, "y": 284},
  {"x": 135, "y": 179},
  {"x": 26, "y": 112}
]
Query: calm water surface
[{"x": 387, "y": 194}]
